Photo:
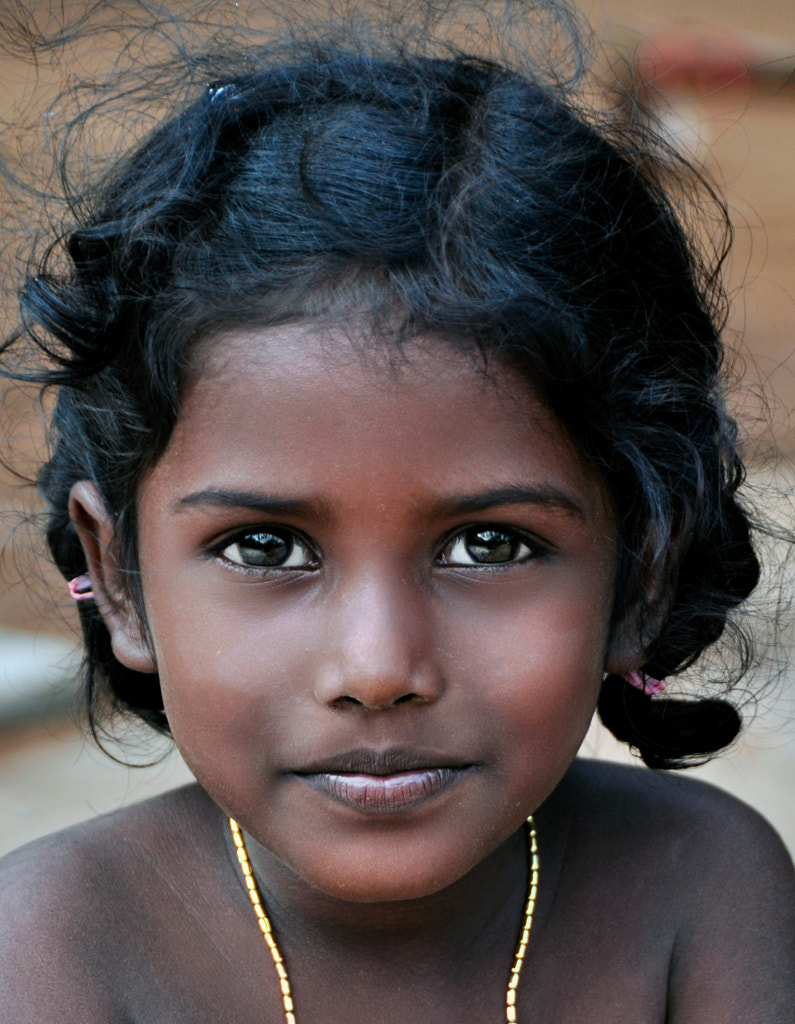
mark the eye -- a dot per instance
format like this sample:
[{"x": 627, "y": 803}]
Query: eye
[
  {"x": 268, "y": 549},
  {"x": 487, "y": 545}
]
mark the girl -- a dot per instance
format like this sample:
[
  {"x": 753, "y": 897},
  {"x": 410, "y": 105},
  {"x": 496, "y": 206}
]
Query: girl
[{"x": 389, "y": 443}]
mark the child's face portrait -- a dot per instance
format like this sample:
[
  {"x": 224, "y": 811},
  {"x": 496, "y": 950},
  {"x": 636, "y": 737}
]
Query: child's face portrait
[
  {"x": 353, "y": 568},
  {"x": 371, "y": 377}
]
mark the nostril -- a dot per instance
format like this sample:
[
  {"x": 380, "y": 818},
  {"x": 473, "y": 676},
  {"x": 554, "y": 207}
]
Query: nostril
[{"x": 346, "y": 700}]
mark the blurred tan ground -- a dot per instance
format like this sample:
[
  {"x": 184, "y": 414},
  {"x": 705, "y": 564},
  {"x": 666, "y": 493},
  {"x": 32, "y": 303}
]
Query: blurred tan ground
[{"x": 49, "y": 778}]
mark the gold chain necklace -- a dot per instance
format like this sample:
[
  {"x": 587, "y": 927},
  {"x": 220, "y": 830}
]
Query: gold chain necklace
[{"x": 278, "y": 962}]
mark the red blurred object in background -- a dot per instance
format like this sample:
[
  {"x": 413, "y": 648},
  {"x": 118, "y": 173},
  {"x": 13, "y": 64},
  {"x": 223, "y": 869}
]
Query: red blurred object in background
[{"x": 701, "y": 59}]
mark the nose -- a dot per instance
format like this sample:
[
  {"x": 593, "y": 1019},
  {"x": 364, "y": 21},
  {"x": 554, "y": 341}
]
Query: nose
[{"x": 378, "y": 650}]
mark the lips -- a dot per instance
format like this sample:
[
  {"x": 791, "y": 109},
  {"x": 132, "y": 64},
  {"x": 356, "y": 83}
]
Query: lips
[{"x": 383, "y": 782}]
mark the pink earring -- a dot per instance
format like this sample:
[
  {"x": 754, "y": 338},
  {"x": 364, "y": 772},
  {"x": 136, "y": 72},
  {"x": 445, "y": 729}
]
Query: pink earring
[
  {"x": 643, "y": 682},
  {"x": 80, "y": 588}
]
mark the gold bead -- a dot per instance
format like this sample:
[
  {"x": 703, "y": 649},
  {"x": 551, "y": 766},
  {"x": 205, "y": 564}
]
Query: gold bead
[
  {"x": 511, "y": 996},
  {"x": 285, "y": 987},
  {"x": 511, "y": 1013}
]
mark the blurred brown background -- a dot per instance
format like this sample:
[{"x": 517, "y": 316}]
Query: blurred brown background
[{"x": 725, "y": 85}]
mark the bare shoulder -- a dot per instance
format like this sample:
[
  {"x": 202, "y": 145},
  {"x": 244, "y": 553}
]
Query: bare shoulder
[
  {"x": 72, "y": 901},
  {"x": 670, "y": 822},
  {"x": 724, "y": 881},
  {"x": 699, "y": 811}
]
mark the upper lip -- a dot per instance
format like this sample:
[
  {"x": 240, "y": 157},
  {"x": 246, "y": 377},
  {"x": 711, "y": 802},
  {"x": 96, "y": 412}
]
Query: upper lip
[{"x": 364, "y": 761}]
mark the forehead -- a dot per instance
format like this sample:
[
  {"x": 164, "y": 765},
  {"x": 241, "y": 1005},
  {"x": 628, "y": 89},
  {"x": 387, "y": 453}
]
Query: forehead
[{"x": 318, "y": 407}]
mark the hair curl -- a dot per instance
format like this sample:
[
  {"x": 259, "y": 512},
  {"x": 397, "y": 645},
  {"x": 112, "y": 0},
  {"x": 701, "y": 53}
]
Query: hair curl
[{"x": 420, "y": 192}]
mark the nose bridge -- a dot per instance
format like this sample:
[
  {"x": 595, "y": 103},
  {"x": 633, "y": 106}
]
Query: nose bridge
[{"x": 379, "y": 644}]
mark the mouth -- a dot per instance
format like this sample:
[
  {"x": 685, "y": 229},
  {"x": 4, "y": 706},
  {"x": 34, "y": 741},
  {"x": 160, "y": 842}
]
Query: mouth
[{"x": 383, "y": 782}]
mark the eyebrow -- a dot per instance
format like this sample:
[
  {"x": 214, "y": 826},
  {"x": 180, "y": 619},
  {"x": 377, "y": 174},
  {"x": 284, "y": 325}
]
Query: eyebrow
[
  {"x": 545, "y": 495},
  {"x": 267, "y": 504}
]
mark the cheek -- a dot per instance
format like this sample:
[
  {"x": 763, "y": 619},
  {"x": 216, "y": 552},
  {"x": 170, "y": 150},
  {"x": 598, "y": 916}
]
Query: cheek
[
  {"x": 535, "y": 671},
  {"x": 229, "y": 684},
  {"x": 546, "y": 695},
  {"x": 555, "y": 632}
]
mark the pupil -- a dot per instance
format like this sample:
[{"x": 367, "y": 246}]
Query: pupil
[
  {"x": 265, "y": 549},
  {"x": 490, "y": 546}
]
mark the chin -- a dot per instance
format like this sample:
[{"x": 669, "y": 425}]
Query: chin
[
  {"x": 383, "y": 890},
  {"x": 381, "y": 880}
]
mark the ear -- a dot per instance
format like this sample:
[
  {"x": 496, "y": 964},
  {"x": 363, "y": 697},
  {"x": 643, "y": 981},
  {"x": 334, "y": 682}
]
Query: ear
[
  {"x": 637, "y": 630},
  {"x": 626, "y": 651},
  {"x": 94, "y": 526}
]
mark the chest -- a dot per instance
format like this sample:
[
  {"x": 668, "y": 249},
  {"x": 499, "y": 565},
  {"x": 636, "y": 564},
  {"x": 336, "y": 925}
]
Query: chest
[{"x": 584, "y": 966}]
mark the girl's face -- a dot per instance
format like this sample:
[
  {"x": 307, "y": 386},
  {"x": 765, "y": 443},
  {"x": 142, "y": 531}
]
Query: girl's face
[{"x": 378, "y": 599}]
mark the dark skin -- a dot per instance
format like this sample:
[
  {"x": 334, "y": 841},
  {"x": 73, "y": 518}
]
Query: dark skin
[
  {"x": 378, "y": 601},
  {"x": 142, "y": 917}
]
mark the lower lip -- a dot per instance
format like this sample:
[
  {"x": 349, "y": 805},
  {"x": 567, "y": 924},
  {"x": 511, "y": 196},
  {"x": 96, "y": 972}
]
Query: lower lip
[{"x": 385, "y": 794}]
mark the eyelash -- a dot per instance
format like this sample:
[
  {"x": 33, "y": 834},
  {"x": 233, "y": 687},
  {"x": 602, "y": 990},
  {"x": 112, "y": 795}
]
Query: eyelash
[{"x": 488, "y": 537}]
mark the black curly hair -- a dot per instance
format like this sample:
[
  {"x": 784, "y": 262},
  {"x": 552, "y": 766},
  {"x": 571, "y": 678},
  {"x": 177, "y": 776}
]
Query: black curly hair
[{"x": 433, "y": 192}]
